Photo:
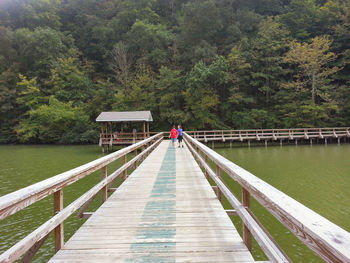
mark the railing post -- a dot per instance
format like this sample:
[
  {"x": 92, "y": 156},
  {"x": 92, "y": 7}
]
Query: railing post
[
  {"x": 125, "y": 171},
  {"x": 247, "y": 236},
  {"x": 104, "y": 189},
  {"x": 59, "y": 233},
  {"x": 206, "y": 172},
  {"x": 218, "y": 173},
  {"x": 135, "y": 154}
]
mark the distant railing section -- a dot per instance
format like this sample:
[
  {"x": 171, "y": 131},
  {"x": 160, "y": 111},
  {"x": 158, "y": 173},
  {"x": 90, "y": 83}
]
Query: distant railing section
[
  {"x": 271, "y": 134},
  {"x": 326, "y": 239},
  {"x": 123, "y": 138},
  {"x": 16, "y": 201}
]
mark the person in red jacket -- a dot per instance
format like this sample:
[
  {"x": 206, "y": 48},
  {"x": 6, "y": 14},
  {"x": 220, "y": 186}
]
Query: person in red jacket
[{"x": 173, "y": 135}]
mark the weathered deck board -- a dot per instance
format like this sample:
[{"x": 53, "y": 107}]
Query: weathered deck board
[{"x": 166, "y": 211}]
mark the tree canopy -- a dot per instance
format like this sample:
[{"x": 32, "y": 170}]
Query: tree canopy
[{"x": 205, "y": 64}]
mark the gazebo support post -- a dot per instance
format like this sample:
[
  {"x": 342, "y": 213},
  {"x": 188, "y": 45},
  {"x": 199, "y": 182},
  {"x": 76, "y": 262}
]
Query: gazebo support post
[
  {"x": 148, "y": 130},
  {"x": 144, "y": 130}
]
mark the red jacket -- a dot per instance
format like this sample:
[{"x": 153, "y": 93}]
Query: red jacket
[{"x": 173, "y": 133}]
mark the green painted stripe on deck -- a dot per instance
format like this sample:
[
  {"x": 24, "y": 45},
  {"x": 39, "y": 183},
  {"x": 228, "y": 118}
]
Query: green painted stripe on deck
[{"x": 157, "y": 230}]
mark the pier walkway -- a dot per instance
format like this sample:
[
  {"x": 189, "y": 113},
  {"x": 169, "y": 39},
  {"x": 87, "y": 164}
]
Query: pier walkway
[{"x": 165, "y": 211}]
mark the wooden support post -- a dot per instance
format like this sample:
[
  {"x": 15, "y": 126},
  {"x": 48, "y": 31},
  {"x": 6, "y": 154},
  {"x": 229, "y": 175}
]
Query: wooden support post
[
  {"x": 310, "y": 141},
  {"x": 206, "y": 172},
  {"x": 296, "y": 142},
  {"x": 148, "y": 130},
  {"x": 249, "y": 143},
  {"x": 144, "y": 130},
  {"x": 218, "y": 173},
  {"x": 59, "y": 233},
  {"x": 104, "y": 189},
  {"x": 247, "y": 236},
  {"x": 126, "y": 170},
  {"x": 135, "y": 154}
]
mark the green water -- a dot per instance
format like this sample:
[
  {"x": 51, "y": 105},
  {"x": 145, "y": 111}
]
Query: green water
[
  {"x": 21, "y": 166},
  {"x": 317, "y": 176}
]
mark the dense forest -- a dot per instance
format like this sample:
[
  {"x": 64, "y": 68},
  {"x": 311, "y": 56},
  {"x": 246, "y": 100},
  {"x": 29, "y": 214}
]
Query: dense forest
[{"x": 207, "y": 64}]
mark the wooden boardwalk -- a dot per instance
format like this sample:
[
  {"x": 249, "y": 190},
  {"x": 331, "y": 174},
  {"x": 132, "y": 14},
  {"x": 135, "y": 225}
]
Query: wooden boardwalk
[{"x": 165, "y": 211}]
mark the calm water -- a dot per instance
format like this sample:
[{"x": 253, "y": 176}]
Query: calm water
[
  {"x": 317, "y": 176},
  {"x": 21, "y": 166}
]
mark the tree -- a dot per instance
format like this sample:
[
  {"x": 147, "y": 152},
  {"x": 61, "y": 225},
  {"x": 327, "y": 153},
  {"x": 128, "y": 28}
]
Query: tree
[
  {"x": 264, "y": 53},
  {"x": 121, "y": 63},
  {"x": 140, "y": 95},
  {"x": 201, "y": 98},
  {"x": 56, "y": 122},
  {"x": 39, "y": 50},
  {"x": 313, "y": 61},
  {"x": 170, "y": 97},
  {"x": 30, "y": 95},
  {"x": 70, "y": 82},
  {"x": 149, "y": 43}
]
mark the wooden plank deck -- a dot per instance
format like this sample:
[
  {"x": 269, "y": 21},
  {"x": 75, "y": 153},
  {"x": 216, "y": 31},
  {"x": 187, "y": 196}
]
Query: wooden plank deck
[{"x": 165, "y": 211}]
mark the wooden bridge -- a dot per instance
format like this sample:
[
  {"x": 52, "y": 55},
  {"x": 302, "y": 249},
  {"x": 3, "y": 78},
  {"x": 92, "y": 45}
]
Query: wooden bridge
[
  {"x": 166, "y": 211},
  {"x": 272, "y": 135}
]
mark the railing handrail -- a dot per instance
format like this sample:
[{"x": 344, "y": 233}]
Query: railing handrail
[
  {"x": 130, "y": 133},
  {"x": 266, "y": 242},
  {"x": 328, "y": 240},
  {"x": 272, "y": 130},
  {"x": 15, "y": 201}
]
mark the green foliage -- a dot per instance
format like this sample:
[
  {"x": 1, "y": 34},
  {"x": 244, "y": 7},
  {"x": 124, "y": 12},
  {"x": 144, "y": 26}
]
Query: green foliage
[
  {"x": 150, "y": 43},
  {"x": 56, "y": 122},
  {"x": 70, "y": 82},
  {"x": 313, "y": 60},
  {"x": 140, "y": 95},
  {"x": 204, "y": 85},
  {"x": 29, "y": 96},
  {"x": 170, "y": 90},
  {"x": 203, "y": 63},
  {"x": 39, "y": 50}
]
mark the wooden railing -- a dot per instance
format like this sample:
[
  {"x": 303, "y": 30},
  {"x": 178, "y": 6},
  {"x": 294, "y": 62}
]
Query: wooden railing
[
  {"x": 16, "y": 201},
  {"x": 326, "y": 239},
  {"x": 270, "y": 134},
  {"x": 124, "y": 137}
]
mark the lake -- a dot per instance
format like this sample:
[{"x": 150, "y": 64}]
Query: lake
[{"x": 317, "y": 176}]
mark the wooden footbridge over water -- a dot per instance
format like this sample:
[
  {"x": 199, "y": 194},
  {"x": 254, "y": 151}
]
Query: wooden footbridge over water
[{"x": 166, "y": 211}]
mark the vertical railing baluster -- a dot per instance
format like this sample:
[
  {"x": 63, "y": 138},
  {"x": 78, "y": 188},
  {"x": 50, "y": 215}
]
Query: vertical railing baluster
[
  {"x": 218, "y": 173},
  {"x": 135, "y": 154},
  {"x": 58, "y": 231},
  {"x": 104, "y": 190},
  {"x": 247, "y": 236},
  {"x": 125, "y": 171},
  {"x": 206, "y": 172}
]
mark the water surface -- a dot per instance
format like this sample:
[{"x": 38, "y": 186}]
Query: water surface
[
  {"x": 317, "y": 176},
  {"x": 21, "y": 166}
]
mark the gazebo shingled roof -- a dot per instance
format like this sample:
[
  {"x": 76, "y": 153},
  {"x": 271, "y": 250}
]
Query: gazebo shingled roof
[{"x": 125, "y": 116}]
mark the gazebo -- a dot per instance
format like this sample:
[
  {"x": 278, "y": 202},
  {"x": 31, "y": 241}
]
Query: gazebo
[{"x": 110, "y": 136}]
